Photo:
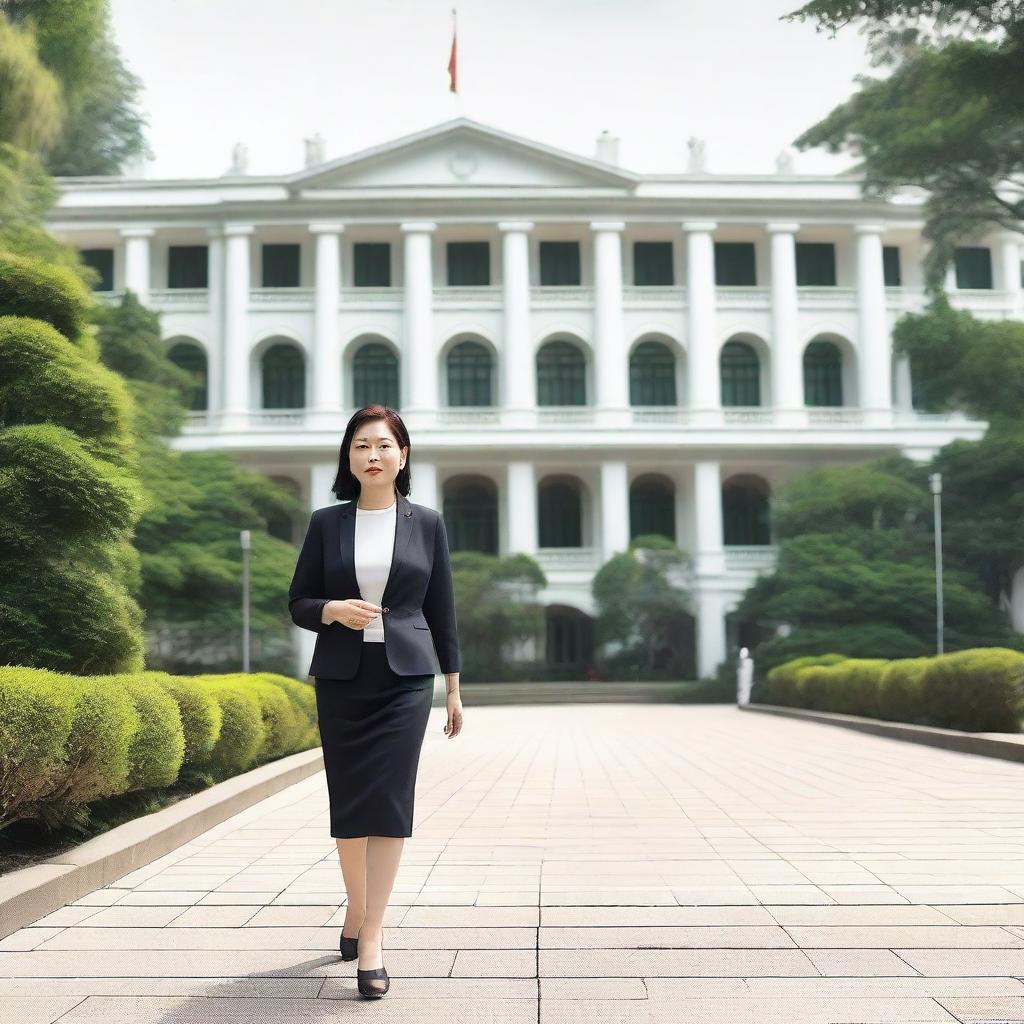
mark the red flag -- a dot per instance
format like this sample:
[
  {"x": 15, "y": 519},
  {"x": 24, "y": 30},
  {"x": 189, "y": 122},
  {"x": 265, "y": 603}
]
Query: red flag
[{"x": 452, "y": 73}]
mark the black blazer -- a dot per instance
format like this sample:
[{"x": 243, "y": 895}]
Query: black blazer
[{"x": 418, "y": 602}]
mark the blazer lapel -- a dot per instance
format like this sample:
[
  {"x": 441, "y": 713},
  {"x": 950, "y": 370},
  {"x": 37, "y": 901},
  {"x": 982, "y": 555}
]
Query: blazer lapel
[{"x": 403, "y": 531}]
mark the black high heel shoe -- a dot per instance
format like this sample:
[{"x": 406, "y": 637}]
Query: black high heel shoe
[
  {"x": 349, "y": 947},
  {"x": 369, "y": 981}
]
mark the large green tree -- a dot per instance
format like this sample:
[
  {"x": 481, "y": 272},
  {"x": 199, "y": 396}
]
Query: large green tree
[
  {"x": 948, "y": 116},
  {"x": 188, "y": 538},
  {"x": 101, "y": 128}
]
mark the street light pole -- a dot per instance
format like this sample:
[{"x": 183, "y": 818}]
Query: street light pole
[
  {"x": 246, "y": 538},
  {"x": 935, "y": 480}
]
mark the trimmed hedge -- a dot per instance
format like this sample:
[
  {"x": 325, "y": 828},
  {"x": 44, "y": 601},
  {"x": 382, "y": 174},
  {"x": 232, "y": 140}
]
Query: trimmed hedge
[
  {"x": 976, "y": 690},
  {"x": 66, "y": 741}
]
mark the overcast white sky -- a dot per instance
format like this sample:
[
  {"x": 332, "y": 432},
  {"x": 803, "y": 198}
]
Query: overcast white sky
[{"x": 361, "y": 72}]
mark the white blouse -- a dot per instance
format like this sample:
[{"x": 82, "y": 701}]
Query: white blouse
[{"x": 374, "y": 543}]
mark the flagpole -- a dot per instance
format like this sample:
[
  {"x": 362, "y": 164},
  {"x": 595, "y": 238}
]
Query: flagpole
[{"x": 453, "y": 75}]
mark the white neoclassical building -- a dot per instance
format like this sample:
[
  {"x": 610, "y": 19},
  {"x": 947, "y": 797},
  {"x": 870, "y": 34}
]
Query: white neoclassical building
[{"x": 582, "y": 354}]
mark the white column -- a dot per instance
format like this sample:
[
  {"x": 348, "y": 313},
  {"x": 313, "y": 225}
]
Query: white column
[
  {"x": 424, "y": 490},
  {"x": 517, "y": 374},
  {"x": 215, "y": 311},
  {"x": 236, "y": 326},
  {"x": 787, "y": 366},
  {"x": 611, "y": 378},
  {"x": 711, "y": 632},
  {"x": 707, "y": 496},
  {"x": 1009, "y": 270},
  {"x": 873, "y": 344},
  {"x": 614, "y": 508},
  {"x": 903, "y": 397},
  {"x": 521, "y": 496},
  {"x": 136, "y": 261},
  {"x": 702, "y": 352},
  {"x": 321, "y": 479},
  {"x": 418, "y": 354},
  {"x": 326, "y": 345}
]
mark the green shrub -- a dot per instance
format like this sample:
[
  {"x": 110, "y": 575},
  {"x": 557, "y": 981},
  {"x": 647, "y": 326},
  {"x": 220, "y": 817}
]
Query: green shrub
[
  {"x": 200, "y": 712},
  {"x": 242, "y": 732},
  {"x": 900, "y": 696},
  {"x": 157, "y": 749},
  {"x": 782, "y": 685},
  {"x": 303, "y": 696},
  {"x": 30, "y": 288},
  {"x": 977, "y": 690}
]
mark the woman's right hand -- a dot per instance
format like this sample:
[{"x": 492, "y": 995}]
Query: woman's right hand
[{"x": 353, "y": 612}]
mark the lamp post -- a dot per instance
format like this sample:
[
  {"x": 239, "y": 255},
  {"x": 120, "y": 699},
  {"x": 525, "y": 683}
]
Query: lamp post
[
  {"x": 246, "y": 538},
  {"x": 935, "y": 480}
]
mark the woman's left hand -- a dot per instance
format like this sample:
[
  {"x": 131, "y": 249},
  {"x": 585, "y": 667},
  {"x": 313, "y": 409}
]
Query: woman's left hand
[{"x": 454, "y": 726}]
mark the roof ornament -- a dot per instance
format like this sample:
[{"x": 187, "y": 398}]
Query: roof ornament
[
  {"x": 315, "y": 150},
  {"x": 784, "y": 161},
  {"x": 239, "y": 159},
  {"x": 697, "y": 161}
]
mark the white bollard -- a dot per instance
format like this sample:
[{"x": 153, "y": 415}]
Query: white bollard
[{"x": 744, "y": 677}]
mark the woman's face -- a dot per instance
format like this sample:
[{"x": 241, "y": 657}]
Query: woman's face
[{"x": 374, "y": 448}]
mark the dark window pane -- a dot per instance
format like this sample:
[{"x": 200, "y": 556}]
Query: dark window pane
[
  {"x": 741, "y": 374},
  {"x": 734, "y": 264},
  {"x": 281, "y": 265},
  {"x": 187, "y": 266},
  {"x": 652, "y": 375},
  {"x": 284, "y": 378},
  {"x": 192, "y": 359},
  {"x": 815, "y": 263},
  {"x": 560, "y": 263},
  {"x": 651, "y": 510},
  {"x": 375, "y": 376},
  {"x": 469, "y": 263},
  {"x": 891, "y": 266},
  {"x": 823, "y": 374},
  {"x": 471, "y": 519},
  {"x": 102, "y": 261},
  {"x": 371, "y": 264},
  {"x": 469, "y": 374},
  {"x": 559, "y": 519},
  {"x": 652, "y": 263},
  {"x": 745, "y": 516},
  {"x": 973, "y": 267},
  {"x": 561, "y": 375}
]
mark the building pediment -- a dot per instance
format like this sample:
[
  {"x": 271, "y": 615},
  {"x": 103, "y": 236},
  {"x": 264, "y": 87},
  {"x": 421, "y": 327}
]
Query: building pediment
[{"x": 461, "y": 154}]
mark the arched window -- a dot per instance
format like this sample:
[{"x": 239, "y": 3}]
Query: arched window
[
  {"x": 652, "y": 374},
  {"x": 741, "y": 374},
  {"x": 284, "y": 378},
  {"x": 469, "y": 374},
  {"x": 823, "y": 374},
  {"x": 561, "y": 375},
  {"x": 560, "y": 520},
  {"x": 746, "y": 517},
  {"x": 375, "y": 376},
  {"x": 651, "y": 510},
  {"x": 471, "y": 519},
  {"x": 192, "y": 359}
]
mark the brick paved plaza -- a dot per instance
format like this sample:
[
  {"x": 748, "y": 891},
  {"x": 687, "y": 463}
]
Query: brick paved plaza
[{"x": 585, "y": 863}]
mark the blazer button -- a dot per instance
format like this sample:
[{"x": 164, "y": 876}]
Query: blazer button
[{"x": 387, "y": 609}]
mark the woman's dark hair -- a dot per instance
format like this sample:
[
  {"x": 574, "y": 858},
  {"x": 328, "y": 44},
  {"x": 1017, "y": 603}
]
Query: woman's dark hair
[{"x": 346, "y": 486}]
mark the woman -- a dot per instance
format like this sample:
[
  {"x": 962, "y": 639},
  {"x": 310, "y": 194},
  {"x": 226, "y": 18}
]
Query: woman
[{"x": 373, "y": 581}]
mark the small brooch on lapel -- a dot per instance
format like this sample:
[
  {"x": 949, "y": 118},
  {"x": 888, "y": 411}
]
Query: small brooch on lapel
[{"x": 407, "y": 514}]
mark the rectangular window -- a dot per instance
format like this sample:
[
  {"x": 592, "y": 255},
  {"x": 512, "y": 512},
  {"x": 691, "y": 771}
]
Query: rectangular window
[
  {"x": 815, "y": 263},
  {"x": 102, "y": 261},
  {"x": 469, "y": 263},
  {"x": 560, "y": 263},
  {"x": 652, "y": 263},
  {"x": 187, "y": 266},
  {"x": 734, "y": 264},
  {"x": 371, "y": 264},
  {"x": 891, "y": 266},
  {"x": 281, "y": 265},
  {"x": 973, "y": 267}
]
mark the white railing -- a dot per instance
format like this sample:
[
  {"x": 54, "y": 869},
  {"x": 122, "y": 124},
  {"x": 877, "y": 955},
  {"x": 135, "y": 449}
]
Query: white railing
[
  {"x": 750, "y": 556},
  {"x": 648, "y": 296},
  {"x": 549, "y": 296},
  {"x": 179, "y": 297},
  {"x": 821, "y": 297},
  {"x": 742, "y": 297},
  {"x": 469, "y": 415},
  {"x": 568, "y": 558},
  {"x": 467, "y": 295},
  {"x": 831, "y": 415},
  {"x": 277, "y": 417},
  {"x": 386, "y": 298},
  {"x": 295, "y": 297}
]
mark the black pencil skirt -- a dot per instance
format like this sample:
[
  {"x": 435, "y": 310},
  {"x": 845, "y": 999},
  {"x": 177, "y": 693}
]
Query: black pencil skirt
[{"x": 372, "y": 728}]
